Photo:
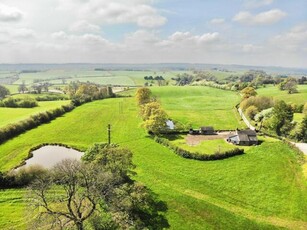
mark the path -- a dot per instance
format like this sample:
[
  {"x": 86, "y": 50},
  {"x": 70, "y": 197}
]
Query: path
[
  {"x": 301, "y": 146},
  {"x": 246, "y": 121}
]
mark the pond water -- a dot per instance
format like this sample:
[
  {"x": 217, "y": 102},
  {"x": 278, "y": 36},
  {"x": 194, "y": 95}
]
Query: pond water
[{"x": 49, "y": 155}]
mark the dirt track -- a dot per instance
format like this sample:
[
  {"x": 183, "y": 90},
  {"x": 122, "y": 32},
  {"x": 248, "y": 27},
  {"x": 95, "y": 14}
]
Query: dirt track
[{"x": 196, "y": 139}]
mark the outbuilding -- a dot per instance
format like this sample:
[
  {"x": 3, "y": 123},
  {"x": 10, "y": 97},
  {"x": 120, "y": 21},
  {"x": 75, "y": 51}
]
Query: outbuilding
[
  {"x": 244, "y": 137},
  {"x": 207, "y": 130}
]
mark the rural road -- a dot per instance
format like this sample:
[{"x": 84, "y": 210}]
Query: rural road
[{"x": 302, "y": 147}]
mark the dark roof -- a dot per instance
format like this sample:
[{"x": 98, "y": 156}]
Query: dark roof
[
  {"x": 247, "y": 132},
  {"x": 247, "y": 135},
  {"x": 206, "y": 128}
]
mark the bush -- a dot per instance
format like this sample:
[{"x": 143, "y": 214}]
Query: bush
[
  {"x": 55, "y": 97},
  {"x": 18, "y": 103}
]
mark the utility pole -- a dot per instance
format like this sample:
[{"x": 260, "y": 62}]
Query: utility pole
[{"x": 109, "y": 134}]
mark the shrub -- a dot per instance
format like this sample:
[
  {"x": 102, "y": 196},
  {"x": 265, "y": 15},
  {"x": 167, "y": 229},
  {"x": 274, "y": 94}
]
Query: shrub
[{"x": 18, "y": 103}]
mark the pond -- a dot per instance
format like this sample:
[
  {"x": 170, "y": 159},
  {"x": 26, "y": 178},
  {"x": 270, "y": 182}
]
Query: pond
[{"x": 49, "y": 155}]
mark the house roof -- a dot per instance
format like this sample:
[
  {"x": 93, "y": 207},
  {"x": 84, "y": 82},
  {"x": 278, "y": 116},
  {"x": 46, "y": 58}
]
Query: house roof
[
  {"x": 244, "y": 135},
  {"x": 248, "y": 132},
  {"x": 247, "y": 135}
]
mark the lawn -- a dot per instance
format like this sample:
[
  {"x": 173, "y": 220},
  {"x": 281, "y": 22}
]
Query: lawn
[
  {"x": 262, "y": 189},
  {"x": 296, "y": 98},
  {"x": 206, "y": 146},
  {"x": 200, "y": 106},
  {"x": 12, "y": 115}
]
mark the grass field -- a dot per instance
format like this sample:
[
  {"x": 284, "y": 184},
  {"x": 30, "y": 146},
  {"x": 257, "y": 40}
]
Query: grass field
[
  {"x": 263, "y": 189},
  {"x": 296, "y": 98},
  {"x": 200, "y": 106},
  {"x": 129, "y": 78},
  {"x": 12, "y": 115}
]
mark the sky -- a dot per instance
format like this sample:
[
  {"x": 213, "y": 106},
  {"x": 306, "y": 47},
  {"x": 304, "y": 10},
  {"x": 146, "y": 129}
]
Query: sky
[{"x": 246, "y": 32}]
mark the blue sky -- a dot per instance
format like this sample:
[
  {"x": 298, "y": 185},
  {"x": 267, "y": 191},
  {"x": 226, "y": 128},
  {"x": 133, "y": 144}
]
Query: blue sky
[{"x": 248, "y": 32}]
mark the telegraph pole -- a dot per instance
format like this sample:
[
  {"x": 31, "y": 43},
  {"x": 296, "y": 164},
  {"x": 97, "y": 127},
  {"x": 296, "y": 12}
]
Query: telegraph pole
[{"x": 109, "y": 134}]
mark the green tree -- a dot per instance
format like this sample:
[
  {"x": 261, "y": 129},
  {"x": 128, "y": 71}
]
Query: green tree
[
  {"x": 143, "y": 95},
  {"x": 290, "y": 84},
  {"x": 282, "y": 116},
  {"x": 3, "y": 92}
]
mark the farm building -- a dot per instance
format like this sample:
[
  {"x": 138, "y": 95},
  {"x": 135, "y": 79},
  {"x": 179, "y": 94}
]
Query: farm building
[
  {"x": 206, "y": 130},
  {"x": 244, "y": 137}
]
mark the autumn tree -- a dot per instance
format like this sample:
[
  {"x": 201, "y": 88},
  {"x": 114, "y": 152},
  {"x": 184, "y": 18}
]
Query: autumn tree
[
  {"x": 156, "y": 122},
  {"x": 248, "y": 92},
  {"x": 143, "y": 95}
]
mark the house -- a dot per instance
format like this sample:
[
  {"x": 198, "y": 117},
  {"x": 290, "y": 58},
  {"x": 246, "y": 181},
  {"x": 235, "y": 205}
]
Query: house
[
  {"x": 243, "y": 137},
  {"x": 206, "y": 130},
  {"x": 170, "y": 124}
]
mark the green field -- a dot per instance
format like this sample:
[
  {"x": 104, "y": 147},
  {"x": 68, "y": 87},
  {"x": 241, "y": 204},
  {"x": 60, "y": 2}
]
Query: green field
[
  {"x": 12, "y": 115},
  {"x": 200, "y": 106},
  {"x": 296, "y": 98},
  {"x": 127, "y": 78},
  {"x": 262, "y": 189}
]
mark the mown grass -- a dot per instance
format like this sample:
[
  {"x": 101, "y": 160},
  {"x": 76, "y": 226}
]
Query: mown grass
[
  {"x": 205, "y": 146},
  {"x": 262, "y": 188},
  {"x": 200, "y": 106},
  {"x": 295, "y": 98},
  {"x": 12, "y": 115}
]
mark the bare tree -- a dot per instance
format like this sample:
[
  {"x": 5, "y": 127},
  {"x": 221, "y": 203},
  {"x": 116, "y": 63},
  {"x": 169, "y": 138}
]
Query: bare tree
[{"x": 69, "y": 194}]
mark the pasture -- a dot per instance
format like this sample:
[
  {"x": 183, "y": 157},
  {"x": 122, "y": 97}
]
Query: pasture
[
  {"x": 295, "y": 98},
  {"x": 12, "y": 115},
  {"x": 263, "y": 189},
  {"x": 198, "y": 106},
  {"x": 126, "y": 78}
]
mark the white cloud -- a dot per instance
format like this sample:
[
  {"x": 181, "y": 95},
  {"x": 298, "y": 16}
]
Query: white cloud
[
  {"x": 8, "y": 13},
  {"x": 101, "y": 12},
  {"x": 83, "y": 26},
  {"x": 264, "y": 18},
  {"x": 295, "y": 40},
  {"x": 188, "y": 37},
  {"x": 217, "y": 21}
]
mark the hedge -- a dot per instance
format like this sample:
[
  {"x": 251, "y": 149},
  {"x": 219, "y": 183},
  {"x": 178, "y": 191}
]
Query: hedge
[
  {"x": 197, "y": 156},
  {"x": 33, "y": 121}
]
